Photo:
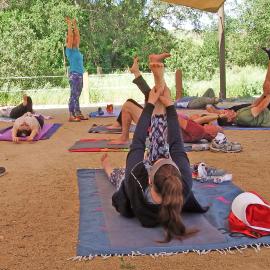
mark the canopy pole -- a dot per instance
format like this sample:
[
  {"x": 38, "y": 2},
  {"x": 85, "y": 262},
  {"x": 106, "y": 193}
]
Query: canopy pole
[{"x": 221, "y": 37}]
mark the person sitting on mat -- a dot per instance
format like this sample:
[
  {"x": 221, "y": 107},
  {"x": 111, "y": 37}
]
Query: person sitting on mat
[
  {"x": 76, "y": 70},
  {"x": 18, "y": 111},
  {"x": 28, "y": 125},
  {"x": 158, "y": 189},
  {"x": 193, "y": 130}
]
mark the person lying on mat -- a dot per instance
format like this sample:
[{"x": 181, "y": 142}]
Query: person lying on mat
[
  {"x": 18, "y": 111},
  {"x": 156, "y": 189},
  {"x": 198, "y": 102},
  {"x": 256, "y": 114},
  {"x": 193, "y": 130},
  {"x": 28, "y": 125}
]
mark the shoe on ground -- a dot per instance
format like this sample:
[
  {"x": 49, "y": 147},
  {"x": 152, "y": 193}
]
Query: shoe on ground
[
  {"x": 226, "y": 147},
  {"x": 224, "y": 178},
  {"x": 81, "y": 117},
  {"x": 74, "y": 119},
  {"x": 2, "y": 171}
]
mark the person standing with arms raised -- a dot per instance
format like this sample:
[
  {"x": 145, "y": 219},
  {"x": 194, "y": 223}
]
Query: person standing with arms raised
[{"x": 76, "y": 70}]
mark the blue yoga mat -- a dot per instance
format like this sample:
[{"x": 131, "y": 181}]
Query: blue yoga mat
[
  {"x": 245, "y": 128},
  {"x": 102, "y": 231}
]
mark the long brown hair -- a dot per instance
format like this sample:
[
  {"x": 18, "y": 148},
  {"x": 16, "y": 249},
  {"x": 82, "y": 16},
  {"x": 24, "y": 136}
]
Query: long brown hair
[{"x": 168, "y": 183}]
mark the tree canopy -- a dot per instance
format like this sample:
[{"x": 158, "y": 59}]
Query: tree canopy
[{"x": 114, "y": 31}]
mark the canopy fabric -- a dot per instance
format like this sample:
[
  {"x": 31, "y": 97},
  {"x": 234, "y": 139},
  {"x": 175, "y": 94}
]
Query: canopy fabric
[{"x": 206, "y": 5}]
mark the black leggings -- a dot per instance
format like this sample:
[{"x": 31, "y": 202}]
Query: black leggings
[
  {"x": 119, "y": 118},
  {"x": 20, "y": 110}
]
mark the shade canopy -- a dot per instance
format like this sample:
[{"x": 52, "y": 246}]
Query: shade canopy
[{"x": 206, "y": 5}]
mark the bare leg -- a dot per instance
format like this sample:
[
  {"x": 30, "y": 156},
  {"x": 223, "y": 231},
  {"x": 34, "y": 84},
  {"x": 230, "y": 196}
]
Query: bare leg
[
  {"x": 266, "y": 85},
  {"x": 135, "y": 67},
  {"x": 130, "y": 112},
  {"x": 105, "y": 162},
  {"x": 256, "y": 110},
  {"x": 158, "y": 72}
]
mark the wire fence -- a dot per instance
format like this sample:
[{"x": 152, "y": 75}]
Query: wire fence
[{"x": 107, "y": 88}]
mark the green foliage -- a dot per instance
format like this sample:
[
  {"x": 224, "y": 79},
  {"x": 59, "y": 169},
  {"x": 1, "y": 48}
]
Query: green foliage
[{"x": 195, "y": 55}]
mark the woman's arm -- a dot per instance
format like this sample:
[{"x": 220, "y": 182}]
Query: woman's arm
[
  {"x": 137, "y": 148},
  {"x": 206, "y": 119},
  {"x": 34, "y": 132},
  {"x": 69, "y": 38},
  {"x": 76, "y": 38},
  {"x": 14, "y": 134},
  {"x": 175, "y": 141}
]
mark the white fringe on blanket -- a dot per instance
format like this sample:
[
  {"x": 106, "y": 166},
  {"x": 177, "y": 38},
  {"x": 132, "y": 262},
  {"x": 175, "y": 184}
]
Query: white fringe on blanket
[{"x": 230, "y": 250}]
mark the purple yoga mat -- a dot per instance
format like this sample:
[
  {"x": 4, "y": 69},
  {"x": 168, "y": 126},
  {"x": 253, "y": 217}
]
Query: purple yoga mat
[{"x": 45, "y": 133}]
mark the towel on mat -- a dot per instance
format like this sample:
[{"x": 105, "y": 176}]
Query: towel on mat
[
  {"x": 104, "y": 129},
  {"x": 245, "y": 128},
  {"x": 46, "y": 132},
  {"x": 103, "y": 145},
  {"x": 103, "y": 231}
]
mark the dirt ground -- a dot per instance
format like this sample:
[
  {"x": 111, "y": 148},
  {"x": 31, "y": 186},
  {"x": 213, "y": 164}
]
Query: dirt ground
[{"x": 39, "y": 205}]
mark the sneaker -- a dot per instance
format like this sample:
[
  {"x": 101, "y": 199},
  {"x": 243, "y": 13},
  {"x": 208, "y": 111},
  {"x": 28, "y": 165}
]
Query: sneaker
[
  {"x": 2, "y": 171},
  {"x": 220, "y": 179},
  {"x": 204, "y": 173},
  {"x": 226, "y": 147},
  {"x": 74, "y": 119}
]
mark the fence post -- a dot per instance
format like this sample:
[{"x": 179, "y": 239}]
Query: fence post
[
  {"x": 178, "y": 84},
  {"x": 85, "y": 91}
]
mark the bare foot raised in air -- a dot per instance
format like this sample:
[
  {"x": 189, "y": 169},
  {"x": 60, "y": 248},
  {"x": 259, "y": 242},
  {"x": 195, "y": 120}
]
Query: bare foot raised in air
[
  {"x": 120, "y": 141},
  {"x": 135, "y": 66},
  {"x": 158, "y": 58}
]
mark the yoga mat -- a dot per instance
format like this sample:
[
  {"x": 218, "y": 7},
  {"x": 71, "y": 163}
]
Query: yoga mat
[
  {"x": 103, "y": 145},
  {"x": 244, "y": 128},
  {"x": 46, "y": 132},
  {"x": 102, "y": 231},
  {"x": 104, "y": 129},
  {"x": 97, "y": 145},
  {"x": 6, "y": 119},
  {"x": 106, "y": 114}
]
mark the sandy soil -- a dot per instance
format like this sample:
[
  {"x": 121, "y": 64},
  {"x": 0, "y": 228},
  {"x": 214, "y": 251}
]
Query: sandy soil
[{"x": 39, "y": 210}]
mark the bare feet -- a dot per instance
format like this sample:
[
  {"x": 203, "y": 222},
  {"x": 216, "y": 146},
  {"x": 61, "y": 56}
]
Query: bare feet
[
  {"x": 135, "y": 66},
  {"x": 115, "y": 125},
  {"x": 211, "y": 109},
  {"x": 105, "y": 160},
  {"x": 24, "y": 100},
  {"x": 106, "y": 165},
  {"x": 158, "y": 58},
  {"x": 119, "y": 141}
]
